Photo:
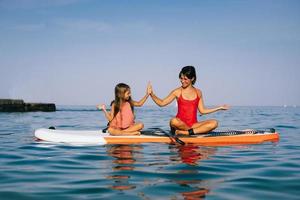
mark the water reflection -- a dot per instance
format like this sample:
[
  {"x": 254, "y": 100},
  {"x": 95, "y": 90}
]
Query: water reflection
[
  {"x": 195, "y": 195},
  {"x": 193, "y": 189},
  {"x": 188, "y": 174},
  {"x": 192, "y": 154},
  {"x": 124, "y": 160}
]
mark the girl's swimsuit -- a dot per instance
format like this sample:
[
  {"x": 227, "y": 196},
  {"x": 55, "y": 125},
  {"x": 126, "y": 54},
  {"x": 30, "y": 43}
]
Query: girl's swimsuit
[
  {"x": 187, "y": 110},
  {"x": 124, "y": 118}
]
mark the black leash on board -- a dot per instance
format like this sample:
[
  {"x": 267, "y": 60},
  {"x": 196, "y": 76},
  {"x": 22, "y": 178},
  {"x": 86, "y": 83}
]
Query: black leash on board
[{"x": 170, "y": 134}]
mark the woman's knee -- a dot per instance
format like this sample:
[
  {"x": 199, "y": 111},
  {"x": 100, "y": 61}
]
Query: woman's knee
[
  {"x": 174, "y": 122},
  {"x": 213, "y": 123}
]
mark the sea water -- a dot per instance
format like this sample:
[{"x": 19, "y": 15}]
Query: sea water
[{"x": 30, "y": 169}]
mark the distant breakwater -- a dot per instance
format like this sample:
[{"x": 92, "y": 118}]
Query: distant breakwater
[{"x": 18, "y": 105}]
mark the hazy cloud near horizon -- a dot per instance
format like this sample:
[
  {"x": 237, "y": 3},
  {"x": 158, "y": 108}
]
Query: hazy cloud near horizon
[{"x": 74, "y": 52}]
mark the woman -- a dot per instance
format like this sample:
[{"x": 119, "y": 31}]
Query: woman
[{"x": 189, "y": 99}]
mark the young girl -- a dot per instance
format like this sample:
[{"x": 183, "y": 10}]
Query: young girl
[
  {"x": 121, "y": 117},
  {"x": 189, "y": 99}
]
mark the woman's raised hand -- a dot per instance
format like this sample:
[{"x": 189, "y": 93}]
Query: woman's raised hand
[{"x": 225, "y": 107}]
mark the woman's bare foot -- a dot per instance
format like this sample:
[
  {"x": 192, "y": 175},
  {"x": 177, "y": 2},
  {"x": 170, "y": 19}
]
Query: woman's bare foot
[{"x": 181, "y": 132}]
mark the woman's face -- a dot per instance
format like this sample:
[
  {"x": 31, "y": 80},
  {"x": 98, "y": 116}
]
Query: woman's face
[{"x": 185, "y": 81}]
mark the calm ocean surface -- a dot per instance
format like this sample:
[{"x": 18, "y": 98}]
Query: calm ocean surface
[{"x": 35, "y": 170}]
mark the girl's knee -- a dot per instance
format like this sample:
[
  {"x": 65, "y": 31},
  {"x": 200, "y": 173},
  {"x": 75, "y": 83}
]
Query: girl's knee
[
  {"x": 140, "y": 125},
  {"x": 111, "y": 130}
]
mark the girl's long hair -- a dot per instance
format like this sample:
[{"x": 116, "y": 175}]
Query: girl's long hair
[{"x": 120, "y": 90}]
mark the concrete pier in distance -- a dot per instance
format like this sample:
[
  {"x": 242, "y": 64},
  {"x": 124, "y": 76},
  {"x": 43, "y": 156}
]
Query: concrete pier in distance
[{"x": 18, "y": 105}]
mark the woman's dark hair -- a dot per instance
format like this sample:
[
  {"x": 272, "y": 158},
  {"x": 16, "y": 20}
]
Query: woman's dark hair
[{"x": 190, "y": 72}]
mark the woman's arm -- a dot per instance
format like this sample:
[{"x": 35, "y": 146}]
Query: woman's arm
[
  {"x": 167, "y": 100},
  {"x": 203, "y": 110}
]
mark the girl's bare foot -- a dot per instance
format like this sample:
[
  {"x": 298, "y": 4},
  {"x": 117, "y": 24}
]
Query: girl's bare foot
[
  {"x": 131, "y": 133},
  {"x": 136, "y": 133},
  {"x": 126, "y": 133}
]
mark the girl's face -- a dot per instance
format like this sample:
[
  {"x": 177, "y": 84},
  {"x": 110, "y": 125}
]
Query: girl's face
[
  {"x": 127, "y": 95},
  {"x": 185, "y": 81}
]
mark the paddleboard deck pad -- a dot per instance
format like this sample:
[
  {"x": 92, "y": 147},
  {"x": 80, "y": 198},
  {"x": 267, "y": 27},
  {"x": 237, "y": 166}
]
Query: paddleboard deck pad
[{"x": 97, "y": 137}]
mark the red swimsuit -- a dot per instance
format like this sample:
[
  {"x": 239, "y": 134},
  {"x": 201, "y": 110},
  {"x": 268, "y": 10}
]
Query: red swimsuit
[{"x": 187, "y": 110}]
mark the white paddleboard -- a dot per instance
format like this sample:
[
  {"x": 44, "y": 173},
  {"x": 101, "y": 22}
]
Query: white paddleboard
[{"x": 71, "y": 136}]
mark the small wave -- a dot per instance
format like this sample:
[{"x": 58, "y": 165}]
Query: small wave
[
  {"x": 77, "y": 110},
  {"x": 265, "y": 115},
  {"x": 286, "y": 126}
]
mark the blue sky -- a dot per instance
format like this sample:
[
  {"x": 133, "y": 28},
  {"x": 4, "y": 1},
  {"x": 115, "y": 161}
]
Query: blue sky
[{"x": 73, "y": 52}]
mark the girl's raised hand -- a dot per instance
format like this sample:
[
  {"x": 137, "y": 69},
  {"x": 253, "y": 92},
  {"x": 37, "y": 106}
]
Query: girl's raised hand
[
  {"x": 149, "y": 88},
  {"x": 101, "y": 107}
]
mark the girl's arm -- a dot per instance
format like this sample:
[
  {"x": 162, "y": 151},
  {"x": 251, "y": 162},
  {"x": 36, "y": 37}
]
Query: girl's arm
[
  {"x": 108, "y": 115},
  {"x": 203, "y": 110},
  {"x": 143, "y": 100},
  {"x": 167, "y": 100}
]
